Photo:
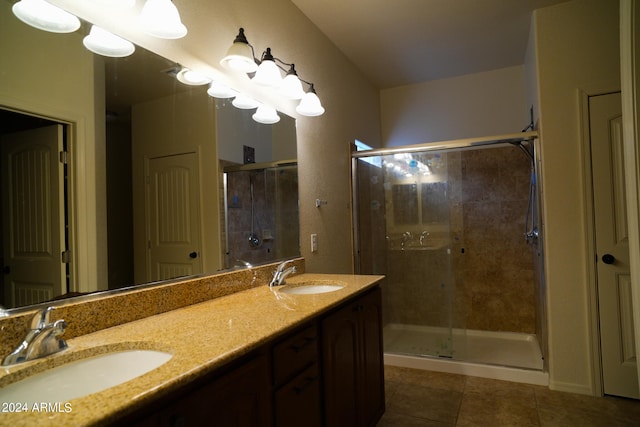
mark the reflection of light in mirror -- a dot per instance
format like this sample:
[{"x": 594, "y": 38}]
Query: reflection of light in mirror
[
  {"x": 244, "y": 102},
  {"x": 405, "y": 165},
  {"x": 160, "y": 18},
  {"x": 45, "y": 16},
  {"x": 105, "y": 43},
  {"x": 220, "y": 90},
  {"x": 266, "y": 115},
  {"x": 192, "y": 78}
]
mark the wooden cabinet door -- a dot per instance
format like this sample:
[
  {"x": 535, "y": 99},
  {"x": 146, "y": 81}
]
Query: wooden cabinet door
[
  {"x": 340, "y": 361},
  {"x": 240, "y": 398},
  {"x": 372, "y": 359},
  {"x": 353, "y": 363}
]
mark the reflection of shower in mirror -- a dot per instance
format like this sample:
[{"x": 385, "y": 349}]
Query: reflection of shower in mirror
[{"x": 254, "y": 240}]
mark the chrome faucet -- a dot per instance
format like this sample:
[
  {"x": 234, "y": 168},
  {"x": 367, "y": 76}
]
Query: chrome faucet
[
  {"x": 41, "y": 340},
  {"x": 281, "y": 273}
]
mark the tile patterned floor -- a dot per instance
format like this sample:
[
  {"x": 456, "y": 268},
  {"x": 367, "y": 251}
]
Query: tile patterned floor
[{"x": 417, "y": 398}]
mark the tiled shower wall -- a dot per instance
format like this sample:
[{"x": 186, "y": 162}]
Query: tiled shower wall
[
  {"x": 275, "y": 215},
  {"x": 487, "y": 282},
  {"x": 497, "y": 284}
]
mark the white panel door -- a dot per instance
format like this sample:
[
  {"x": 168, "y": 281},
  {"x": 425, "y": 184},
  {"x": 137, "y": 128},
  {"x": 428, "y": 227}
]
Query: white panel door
[
  {"x": 173, "y": 207},
  {"x": 617, "y": 339},
  {"x": 33, "y": 215}
]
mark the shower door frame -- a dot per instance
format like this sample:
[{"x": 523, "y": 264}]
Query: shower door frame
[{"x": 535, "y": 233}]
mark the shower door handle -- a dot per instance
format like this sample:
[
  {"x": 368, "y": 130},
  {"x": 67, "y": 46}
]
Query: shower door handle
[{"x": 608, "y": 259}]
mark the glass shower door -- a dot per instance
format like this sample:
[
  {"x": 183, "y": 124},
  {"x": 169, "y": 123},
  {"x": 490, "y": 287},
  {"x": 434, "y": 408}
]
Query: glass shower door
[{"x": 406, "y": 225}]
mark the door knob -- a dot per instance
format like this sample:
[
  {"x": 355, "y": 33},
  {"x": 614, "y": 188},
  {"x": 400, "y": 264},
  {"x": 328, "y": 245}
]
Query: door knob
[
  {"x": 608, "y": 258},
  {"x": 193, "y": 255}
]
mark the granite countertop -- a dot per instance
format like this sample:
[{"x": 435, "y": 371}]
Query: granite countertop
[{"x": 201, "y": 338}]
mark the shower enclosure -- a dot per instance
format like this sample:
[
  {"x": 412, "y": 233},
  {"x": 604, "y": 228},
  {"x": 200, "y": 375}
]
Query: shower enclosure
[
  {"x": 260, "y": 213},
  {"x": 454, "y": 228}
]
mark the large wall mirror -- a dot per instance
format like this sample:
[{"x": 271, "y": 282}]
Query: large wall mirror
[{"x": 162, "y": 152}]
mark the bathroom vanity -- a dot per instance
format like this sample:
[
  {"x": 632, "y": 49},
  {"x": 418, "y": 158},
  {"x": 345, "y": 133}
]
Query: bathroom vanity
[{"x": 262, "y": 356}]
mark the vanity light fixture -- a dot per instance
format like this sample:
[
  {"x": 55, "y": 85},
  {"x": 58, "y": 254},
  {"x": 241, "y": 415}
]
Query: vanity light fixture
[
  {"x": 310, "y": 104},
  {"x": 104, "y": 43},
  {"x": 192, "y": 78},
  {"x": 160, "y": 18},
  {"x": 240, "y": 56},
  {"x": 43, "y": 15},
  {"x": 266, "y": 115}
]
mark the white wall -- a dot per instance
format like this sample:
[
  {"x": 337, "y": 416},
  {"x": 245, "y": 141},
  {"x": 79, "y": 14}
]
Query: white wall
[
  {"x": 481, "y": 104},
  {"x": 577, "y": 47}
]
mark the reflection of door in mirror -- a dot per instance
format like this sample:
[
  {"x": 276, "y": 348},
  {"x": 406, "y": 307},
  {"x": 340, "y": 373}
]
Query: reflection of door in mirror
[
  {"x": 173, "y": 204},
  {"x": 33, "y": 216}
]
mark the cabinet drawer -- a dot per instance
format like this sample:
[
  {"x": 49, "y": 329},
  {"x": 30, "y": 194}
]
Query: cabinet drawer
[
  {"x": 294, "y": 354},
  {"x": 298, "y": 402}
]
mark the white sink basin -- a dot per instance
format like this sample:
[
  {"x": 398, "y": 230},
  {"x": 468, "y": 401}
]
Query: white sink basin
[
  {"x": 83, "y": 377},
  {"x": 310, "y": 289}
]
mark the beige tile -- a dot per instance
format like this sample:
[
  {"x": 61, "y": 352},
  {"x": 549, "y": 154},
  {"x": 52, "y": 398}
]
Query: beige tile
[
  {"x": 565, "y": 409},
  {"x": 392, "y": 419},
  {"x": 431, "y": 379},
  {"x": 424, "y": 402},
  {"x": 524, "y": 394},
  {"x": 490, "y": 410}
]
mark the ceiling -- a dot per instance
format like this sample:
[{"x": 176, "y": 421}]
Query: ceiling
[{"x": 401, "y": 42}]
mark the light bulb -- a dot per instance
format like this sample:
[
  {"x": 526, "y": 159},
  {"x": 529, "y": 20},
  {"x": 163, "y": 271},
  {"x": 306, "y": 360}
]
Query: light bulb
[
  {"x": 291, "y": 86},
  {"x": 219, "y": 90},
  {"x": 266, "y": 115},
  {"x": 43, "y": 15},
  {"x": 268, "y": 73},
  {"x": 192, "y": 78},
  {"x": 239, "y": 57},
  {"x": 310, "y": 104},
  {"x": 244, "y": 102},
  {"x": 104, "y": 43},
  {"x": 160, "y": 18}
]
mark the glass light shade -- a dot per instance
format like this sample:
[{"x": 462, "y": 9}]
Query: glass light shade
[
  {"x": 219, "y": 90},
  {"x": 310, "y": 105},
  {"x": 268, "y": 74},
  {"x": 291, "y": 87},
  {"x": 266, "y": 115},
  {"x": 43, "y": 15},
  {"x": 244, "y": 102},
  {"x": 116, "y": 4},
  {"x": 160, "y": 18},
  {"x": 192, "y": 78},
  {"x": 104, "y": 43},
  {"x": 240, "y": 58}
]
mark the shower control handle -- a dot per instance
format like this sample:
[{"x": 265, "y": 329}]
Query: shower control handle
[{"x": 608, "y": 259}]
